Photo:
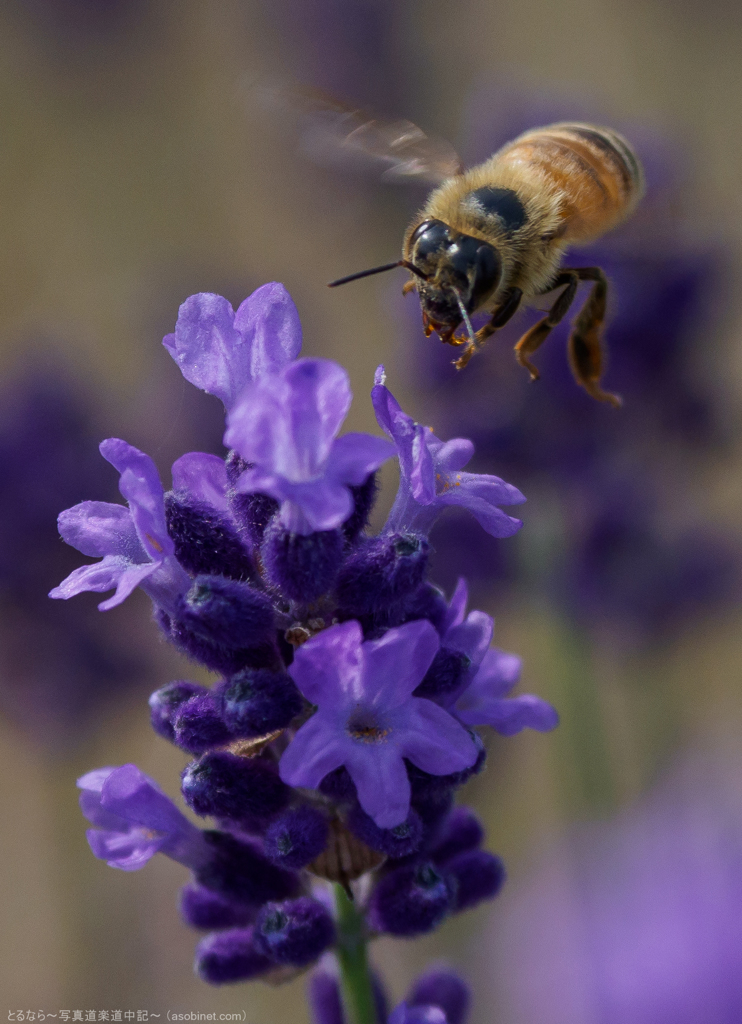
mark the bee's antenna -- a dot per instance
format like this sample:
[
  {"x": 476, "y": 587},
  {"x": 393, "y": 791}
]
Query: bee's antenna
[
  {"x": 465, "y": 317},
  {"x": 378, "y": 270}
]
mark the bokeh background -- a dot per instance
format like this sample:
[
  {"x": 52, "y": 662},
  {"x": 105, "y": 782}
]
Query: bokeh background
[{"x": 136, "y": 169}]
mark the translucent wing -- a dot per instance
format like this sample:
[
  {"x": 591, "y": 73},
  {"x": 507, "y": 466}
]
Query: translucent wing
[{"x": 334, "y": 132}]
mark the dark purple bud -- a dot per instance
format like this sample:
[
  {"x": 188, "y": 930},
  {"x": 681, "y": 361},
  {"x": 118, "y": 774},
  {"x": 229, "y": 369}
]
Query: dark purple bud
[
  {"x": 202, "y": 908},
  {"x": 206, "y": 542},
  {"x": 461, "y": 831},
  {"x": 258, "y": 701},
  {"x": 427, "y": 602},
  {"x": 226, "y": 612},
  {"x": 396, "y": 842},
  {"x": 301, "y": 567},
  {"x": 226, "y": 660},
  {"x": 295, "y": 932},
  {"x": 295, "y": 838},
  {"x": 382, "y": 572},
  {"x": 433, "y": 808},
  {"x": 364, "y": 497},
  {"x": 198, "y": 724},
  {"x": 411, "y": 900},
  {"x": 240, "y": 871},
  {"x": 339, "y": 786},
  {"x": 165, "y": 702},
  {"x": 444, "y": 675},
  {"x": 479, "y": 876},
  {"x": 444, "y": 989},
  {"x": 230, "y": 956},
  {"x": 244, "y": 789},
  {"x": 252, "y": 512},
  {"x": 324, "y": 998}
]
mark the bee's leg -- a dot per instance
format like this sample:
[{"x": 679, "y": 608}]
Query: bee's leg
[
  {"x": 584, "y": 347},
  {"x": 500, "y": 317},
  {"x": 538, "y": 334},
  {"x": 408, "y": 287}
]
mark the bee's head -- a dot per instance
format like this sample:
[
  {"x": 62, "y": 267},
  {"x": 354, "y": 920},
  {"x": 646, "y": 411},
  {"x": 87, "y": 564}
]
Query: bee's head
[{"x": 458, "y": 270}]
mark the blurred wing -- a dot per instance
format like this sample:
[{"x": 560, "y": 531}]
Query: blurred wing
[{"x": 333, "y": 132}]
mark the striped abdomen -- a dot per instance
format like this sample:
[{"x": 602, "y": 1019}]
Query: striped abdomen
[{"x": 594, "y": 172}]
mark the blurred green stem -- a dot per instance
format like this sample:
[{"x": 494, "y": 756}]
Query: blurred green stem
[{"x": 355, "y": 980}]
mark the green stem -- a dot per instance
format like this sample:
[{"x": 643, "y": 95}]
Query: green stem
[{"x": 355, "y": 980}]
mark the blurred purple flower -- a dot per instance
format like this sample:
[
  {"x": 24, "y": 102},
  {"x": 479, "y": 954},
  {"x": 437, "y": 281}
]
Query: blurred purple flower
[
  {"x": 285, "y": 426},
  {"x": 431, "y": 477},
  {"x": 137, "y": 820},
  {"x": 221, "y": 351},
  {"x": 368, "y": 720},
  {"x": 135, "y": 546},
  {"x": 485, "y": 700},
  {"x": 637, "y": 919}
]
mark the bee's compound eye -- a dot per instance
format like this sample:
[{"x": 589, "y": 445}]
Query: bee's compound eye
[{"x": 429, "y": 237}]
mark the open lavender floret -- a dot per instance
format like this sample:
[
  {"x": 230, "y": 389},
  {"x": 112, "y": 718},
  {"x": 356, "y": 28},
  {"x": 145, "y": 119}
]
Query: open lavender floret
[{"x": 342, "y": 723}]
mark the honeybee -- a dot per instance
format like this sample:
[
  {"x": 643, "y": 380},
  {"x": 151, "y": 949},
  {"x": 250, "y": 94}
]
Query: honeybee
[{"x": 492, "y": 238}]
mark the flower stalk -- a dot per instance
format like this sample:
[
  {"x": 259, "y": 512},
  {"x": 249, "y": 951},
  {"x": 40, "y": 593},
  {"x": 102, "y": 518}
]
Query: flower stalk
[{"x": 355, "y": 979}]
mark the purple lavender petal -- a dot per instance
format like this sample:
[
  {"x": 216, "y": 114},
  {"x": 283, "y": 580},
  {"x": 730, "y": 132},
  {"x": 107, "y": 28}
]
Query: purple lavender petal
[
  {"x": 451, "y": 456},
  {"x": 382, "y": 783},
  {"x": 511, "y": 716},
  {"x": 395, "y": 664},
  {"x": 471, "y": 637},
  {"x": 433, "y": 740},
  {"x": 128, "y": 851},
  {"x": 141, "y": 486},
  {"x": 484, "y": 702},
  {"x": 269, "y": 319},
  {"x": 353, "y": 457},
  {"x": 134, "y": 576},
  {"x": 208, "y": 350},
  {"x": 492, "y": 519},
  {"x": 98, "y": 528},
  {"x": 497, "y": 675},
  {"x": 328, "y": 667},
  {"x": 113, "y": 571},
  {"x": 317, "y": 749},
  {"x": 404, "y": 1014},
  {"x": 457, "y": 606},
  {"x": 131, "y": 794},
  {"x": 204, "y": 477}
]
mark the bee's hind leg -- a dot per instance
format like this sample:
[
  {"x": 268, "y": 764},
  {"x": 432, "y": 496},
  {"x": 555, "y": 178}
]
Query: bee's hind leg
[
  {"x": 537, "y": 335},
  {"x": 584, "y": 347},
  {"x": 500, "y": 317}
]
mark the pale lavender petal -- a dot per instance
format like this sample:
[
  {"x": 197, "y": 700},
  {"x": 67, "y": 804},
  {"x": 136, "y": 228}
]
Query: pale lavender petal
[
  {"x": 422, "y": 471},
  {"x": 90, "y": 805},
  {"x": 457, "y": 606},
  {"x": 386, "y": 406},
  {"x": 396, "y": 663},
  {"x": 141, "y": 486},
  {"x": 128, "y": 851},
  {"x": 354, "y": 456},
  {"x": 319, "y": 505},
  {"x": 497, "y": 675},
  {"x": 404, "y": 1014},
  {"x": 329, "y": 666},
  {"x": 98, "y": 528},
  {"x": 135, "y": 796},
  {"x": 128, "y": 582},
  {"x": 204, "y": 477},
  {"x": 269, "y": 320},
  {"x": 317, "y": 749},
  {"x": 488, "y": 487},
  {"x": 471, "y": 637},
  {"x": 208, "y": 349},
  {"x": 512, "y": 714},
  {"x": 415, "y": 460},
  {"x": 453, "y": 455},
  {"x": 492, "y": 519},
  {"x": 433, "y": 740},
  {"x": 381, "y": 781},
  {"x": 99, "y": 577}
]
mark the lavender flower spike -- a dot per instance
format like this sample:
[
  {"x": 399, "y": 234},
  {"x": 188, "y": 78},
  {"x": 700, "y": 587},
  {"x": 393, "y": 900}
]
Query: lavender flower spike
[
  {"x": 485, "y": 701},
  {"x": 221, "y": 351},
  {"x": 286, "y": 426},
  {"x": 367, "y": 718},
  {"x": 137, "y": 820},
  {"x": 134, "y": 543},
  {"x": 431, "y": 477}
]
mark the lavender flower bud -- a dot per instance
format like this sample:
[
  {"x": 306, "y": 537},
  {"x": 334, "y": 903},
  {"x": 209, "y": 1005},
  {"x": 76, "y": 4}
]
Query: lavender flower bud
[
  {"x": 202, "y": 908},
  {"x": 382, "y": 572},
  {"x": 198, "y": 725},
  {"x": 462, "y": 831},
  {"x": 252, "y": 512},
  {"x": 205, "y": 541},
  {"x": 239, "y": 871},
  {"x": 444, "y": 989},
  {"x": 411, "y": 900},
  {"x": 226, "y": 612},
  {"x": 302, "y": 567},
  {"x": 479, "y": 876},
  {"x": 427, "y": 602},
  {"x": 230, "y": 956},
  {"x": 324, "y": 998},
  {"x": 222, "y": 659},
  {"x": 258, "y": 701},
  {"x": 295, "y": 838},
  {"x": 396, "y": 842},
  {"x": 295, "y": 932},
  {"x": 236, "y": 788},
  {"x": 165, "y": 702},
  {"x": 339, "y": 786}
]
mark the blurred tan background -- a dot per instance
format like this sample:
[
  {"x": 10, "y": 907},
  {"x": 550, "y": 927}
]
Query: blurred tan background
[{"x": 134, "y": 171}]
